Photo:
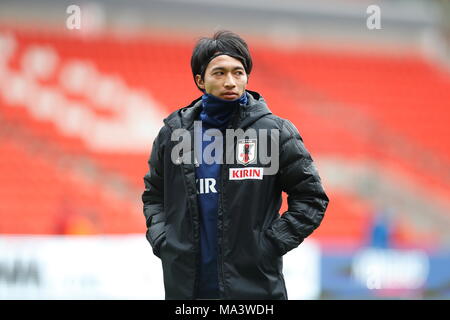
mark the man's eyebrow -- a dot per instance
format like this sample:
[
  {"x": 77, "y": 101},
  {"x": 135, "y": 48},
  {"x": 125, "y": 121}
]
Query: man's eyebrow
[{"x": 223, "y": 68}]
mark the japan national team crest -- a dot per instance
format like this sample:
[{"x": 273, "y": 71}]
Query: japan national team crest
[{"x": 246, "y": 151}]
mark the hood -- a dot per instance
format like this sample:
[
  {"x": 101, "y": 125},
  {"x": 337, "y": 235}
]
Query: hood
[{"x": 255, "y": 109}]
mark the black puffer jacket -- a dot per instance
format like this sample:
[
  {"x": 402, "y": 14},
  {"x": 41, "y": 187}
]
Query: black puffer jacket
[{"x": 252, "y": 236}]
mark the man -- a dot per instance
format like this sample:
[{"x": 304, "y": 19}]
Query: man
[{"x": 216, "y": 225}]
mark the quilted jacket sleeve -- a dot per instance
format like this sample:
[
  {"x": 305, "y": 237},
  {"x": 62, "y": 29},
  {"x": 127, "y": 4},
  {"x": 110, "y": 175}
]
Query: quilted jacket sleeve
[
  {"x": 153, "y": 196},
  {"x": 307, "y": 200}
]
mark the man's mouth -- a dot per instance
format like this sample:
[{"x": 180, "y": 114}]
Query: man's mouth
[{"x": 230, "y": 95}]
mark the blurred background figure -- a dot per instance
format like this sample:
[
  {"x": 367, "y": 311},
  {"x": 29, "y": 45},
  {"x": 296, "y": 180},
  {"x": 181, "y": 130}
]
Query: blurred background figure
[
  {"x": 84, "y": 87},
  {"x": 382, "y": 230}
]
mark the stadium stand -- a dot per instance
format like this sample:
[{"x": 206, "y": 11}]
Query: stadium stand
[{"x": 58, "y": 183}]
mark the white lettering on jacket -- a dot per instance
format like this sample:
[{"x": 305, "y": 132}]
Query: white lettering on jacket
[{"x": 206, "y": 185}]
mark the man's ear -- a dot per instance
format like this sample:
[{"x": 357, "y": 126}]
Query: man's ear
[{"x": 199, "y": 81}]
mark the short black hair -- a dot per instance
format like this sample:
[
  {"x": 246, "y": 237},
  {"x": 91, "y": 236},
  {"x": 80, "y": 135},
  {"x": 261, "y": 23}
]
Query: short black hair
[{"x": 223, "y": 42}]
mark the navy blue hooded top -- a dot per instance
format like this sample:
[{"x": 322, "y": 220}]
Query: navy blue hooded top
[{"x": 216, "y": 114}]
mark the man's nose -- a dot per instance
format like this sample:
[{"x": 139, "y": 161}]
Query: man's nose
[{"x": 229, "y": 81}]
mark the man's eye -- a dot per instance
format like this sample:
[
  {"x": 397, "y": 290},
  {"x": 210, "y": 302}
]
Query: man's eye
[{"x": 218, "y": 73}]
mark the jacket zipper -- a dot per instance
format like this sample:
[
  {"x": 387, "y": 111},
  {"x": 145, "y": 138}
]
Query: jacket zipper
[
  {"x": 222, "y": 178},
  {"x": 220, "y": 243}
]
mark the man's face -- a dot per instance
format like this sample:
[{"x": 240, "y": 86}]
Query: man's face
[{"x": 225, "y": 78}]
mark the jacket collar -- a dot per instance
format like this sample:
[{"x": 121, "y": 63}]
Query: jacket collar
[{"x": 254, "y": 110}]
